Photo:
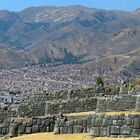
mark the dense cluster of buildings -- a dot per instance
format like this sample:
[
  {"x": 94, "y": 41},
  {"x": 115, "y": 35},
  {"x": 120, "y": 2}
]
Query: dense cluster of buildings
[{"x": 35, "y": 79}]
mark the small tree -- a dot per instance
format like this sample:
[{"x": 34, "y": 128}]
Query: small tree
[
  {"x": 99, "y": 81},
  {"x": 115, "y": 60}
]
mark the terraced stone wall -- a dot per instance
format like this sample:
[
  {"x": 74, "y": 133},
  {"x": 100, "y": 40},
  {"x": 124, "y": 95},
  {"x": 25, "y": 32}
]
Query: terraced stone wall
[
  {"x": 71, "y": 106},
  {"x": 36, "y": 105},
  {"x": 32, "y": 125},
  {"x": 101, "y": 125},
  {"x": 115, "y": 126},
  {"x": 116, "y": 103}
]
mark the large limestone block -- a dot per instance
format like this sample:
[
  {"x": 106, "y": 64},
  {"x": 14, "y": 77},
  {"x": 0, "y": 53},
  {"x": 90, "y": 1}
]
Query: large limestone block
[
  {"x": 35, "y": 129},
  {"x": 63, "y": 130},
  {"x": 28, "y": 130},
  {"x": 4, "y": 130},
  {"x": 47, "y": 122},
  {"x": 42, "y": 128},
  {"x": 24, "y": 124},
  {"x": 135, "y": 133},
  {"x": 21, "y": 129},
  {"x": 115, "y": 130},
  {"x": 128, "y": 121},
  {"x": 125, "y": 130},
  {"x": 56, "y": 130},
  {"x": 29, "y": 122},
  {"x": 103, "y": 131},
  {"x": 95, "y": 131},
  {"x": 136, "y": 123},
  {"x": 98, "y": 122},
  {"x": 70, "y": 130},
  {"x": 13, "y": 130},
  {"x": 105, "y": 123},
  {"x": 77, "y": 129}
]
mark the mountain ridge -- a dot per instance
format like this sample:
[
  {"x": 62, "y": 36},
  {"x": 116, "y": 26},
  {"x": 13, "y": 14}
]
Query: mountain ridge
[{"x": 74, "y": 34}]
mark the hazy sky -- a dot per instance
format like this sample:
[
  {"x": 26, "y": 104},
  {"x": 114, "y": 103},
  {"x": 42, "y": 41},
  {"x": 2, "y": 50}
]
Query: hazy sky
[{"x": 17, "y": 5}]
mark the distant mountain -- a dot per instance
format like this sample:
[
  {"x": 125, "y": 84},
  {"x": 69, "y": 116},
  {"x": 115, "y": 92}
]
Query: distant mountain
[{"x": 74, "y": 34}]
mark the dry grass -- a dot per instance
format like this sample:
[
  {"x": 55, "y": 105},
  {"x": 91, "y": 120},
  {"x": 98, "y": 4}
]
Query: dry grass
[
  {"x": 107, "y": 113},
  {"x": 125, "y": 112},
  {"x": 50, "y": 136},
  {"x": 80, "y": 114}
]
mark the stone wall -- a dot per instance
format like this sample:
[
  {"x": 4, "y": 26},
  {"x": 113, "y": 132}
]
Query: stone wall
[
  {"x": 32, "y": 125},
  {"x": 40, "y": 105},
  {"x": 81, "y": 125},
  {"x": 116, "y": 103},
  {"x": 35, "y": 105},
  {"x": 137, "y": 106},
  {"x": 71, "y": 106},
  {"x": 97, "y": 125},
  {"x": 101, "y": 125},
  {"x": 75, "y": 101},
  {"x": 6, "y": 114},
  {"x": 115, "y": 126}
]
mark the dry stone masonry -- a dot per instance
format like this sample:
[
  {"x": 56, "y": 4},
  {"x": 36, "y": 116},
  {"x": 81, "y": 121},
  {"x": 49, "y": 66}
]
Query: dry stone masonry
[
  {"x": 42, "y": 112},
  {"x": 115, "y": 126},
  {"x": 77, "y": 101},
  {"x": 71, "y": 106},
  {"x": 32, "y": 125},
  {"x": 97, "y": 125}
]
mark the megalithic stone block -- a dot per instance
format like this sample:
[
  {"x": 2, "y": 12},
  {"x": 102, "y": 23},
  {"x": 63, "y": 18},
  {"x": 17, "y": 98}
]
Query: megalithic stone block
[
  {"x": 13, "y": 130},
  {"x": 95, "y": 131},
  {"x": 137, "y": 106}
]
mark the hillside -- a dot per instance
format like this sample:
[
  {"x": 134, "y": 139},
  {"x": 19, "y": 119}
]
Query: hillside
[{"x": 74, "y": 34}]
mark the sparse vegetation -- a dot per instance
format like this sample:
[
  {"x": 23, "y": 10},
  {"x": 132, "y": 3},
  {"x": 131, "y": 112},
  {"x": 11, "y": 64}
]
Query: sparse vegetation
[
  {"x": 99, "y": 81},
  {"x": 6, "y": 137}
]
